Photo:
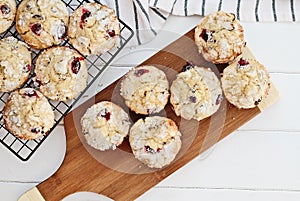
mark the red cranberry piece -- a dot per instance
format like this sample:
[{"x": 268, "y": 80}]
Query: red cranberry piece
[
  {"x": 26, "y": 68},
  {"x": 35, "y": 130},
  {"x": 75, "y": 65},
  {"x": 193, "y": 99},
  {"x": 204, "y": 35},
  {"x": 31, "y": 93},
  {"x": 187, "y": 66},
  {"x": 5, "y": 9},
  {"x": 36, "y": 29},
  {"x": 85, "y": 14},
  {"x": 111, "y": 33},
  {"x": 257, "y": 102},
  {"x": 219, "y": 99},
  {"x": 105, "y": 114},
  {"x": 140, "y": 72},
  {"x": 243, "y": 62},
  {"x": 148, "y": 149}
]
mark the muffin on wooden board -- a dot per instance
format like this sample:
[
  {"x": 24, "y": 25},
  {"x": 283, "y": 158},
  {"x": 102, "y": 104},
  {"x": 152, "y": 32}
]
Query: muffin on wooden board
[
  {"x": 145, "y": 89},
  {"x": 94, "y": 29},
  {"x": 220, "y": 37},
  {"x": 245, "y": 83},
  {"x": 42, "y": 23},
  {"x": 27, "y": 114},
  {"x": 105, "y": 125},
  {"x": 155, "y": 141},
  {"x": 196, "y": 93}
]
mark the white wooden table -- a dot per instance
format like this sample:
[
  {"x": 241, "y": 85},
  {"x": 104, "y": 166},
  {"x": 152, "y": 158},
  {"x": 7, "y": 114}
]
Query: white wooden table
[{"x": 260, "y": 161}]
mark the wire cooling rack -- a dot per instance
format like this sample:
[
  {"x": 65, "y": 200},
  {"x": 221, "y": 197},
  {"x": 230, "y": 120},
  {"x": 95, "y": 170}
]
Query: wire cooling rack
[{"x": 96, "y": 64}]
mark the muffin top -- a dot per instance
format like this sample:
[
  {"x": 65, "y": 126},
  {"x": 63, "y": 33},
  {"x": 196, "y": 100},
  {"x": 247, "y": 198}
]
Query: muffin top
[
  {"x": 94, "y": 29},
  {"x": 245, "y": 83},
  {"x": 145, "y": 89},
  {"x": 104, "y": 125},
  {"x": 61, "y": 73},
  {"x": 15, "y": 63},
  {"x": 28, "y": 114},
  {"x": 196, "y": 93},
  {"x": 7, "y": 14},
  {"x": 155, "y": 141},
  {"x": 220, "y": 37},
  {"x": 42, "y": 23}
]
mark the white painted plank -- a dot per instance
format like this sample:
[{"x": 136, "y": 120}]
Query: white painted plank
[
  {"x": 259, "y": 160},
  {"x": 12, "y": 191},
  {"x": 179, "y": 194},
  {"x": 273, "y": 44}
]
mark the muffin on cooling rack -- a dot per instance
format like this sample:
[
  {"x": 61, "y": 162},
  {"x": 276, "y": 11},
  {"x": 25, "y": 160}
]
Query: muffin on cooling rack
[
  {"x": 94, "y": 29},
  {"x": 27, "y": 114},
  {"x": 42, "y": 23},
  {"x": 220, "y": 37},
  {"x": 245, "y": 83},
  {"x": 7, "y": 14},
  {"x": 196, "y": 93},
  {"x": 15, "y": 64},
  {"x": 155, "y": 141},
  {"x": 105, "y": 125},
  {"x": 145, "y": 90},
  {"x": 61, "y": 73}
]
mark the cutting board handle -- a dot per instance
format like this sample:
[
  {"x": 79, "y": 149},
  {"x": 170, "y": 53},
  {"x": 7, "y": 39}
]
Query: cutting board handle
[{"x": 32, "y": 195}]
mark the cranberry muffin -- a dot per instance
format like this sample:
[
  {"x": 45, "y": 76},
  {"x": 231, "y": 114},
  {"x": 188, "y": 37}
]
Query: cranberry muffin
[
  {"x": 145, "y": 89},
  {"x": 220, "y": 37},
  {"x": 105, "y": 125},
  {"x": 245, "y": 83},
  {"x": 42, "y": 23},
  {"x": 155, "y": 141},
  {"x": 27, "y": 114},
  {"x": 94, "y": 29},
  {"x": 15, "y": 63},
  {"x": 61, "y": 73},
  {"x": 196, "y": 93},
  {"x": 7, "y": 14}
]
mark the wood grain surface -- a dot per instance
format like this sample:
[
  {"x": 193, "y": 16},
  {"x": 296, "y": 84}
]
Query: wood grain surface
[{"x": 117, "y": 174}]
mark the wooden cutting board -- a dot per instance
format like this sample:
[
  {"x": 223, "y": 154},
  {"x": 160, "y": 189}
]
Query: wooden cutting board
[{"x": 117, "y": 174}]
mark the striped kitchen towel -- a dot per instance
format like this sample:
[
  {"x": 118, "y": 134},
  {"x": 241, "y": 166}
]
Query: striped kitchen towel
[{"x": 147, "y": 17}]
